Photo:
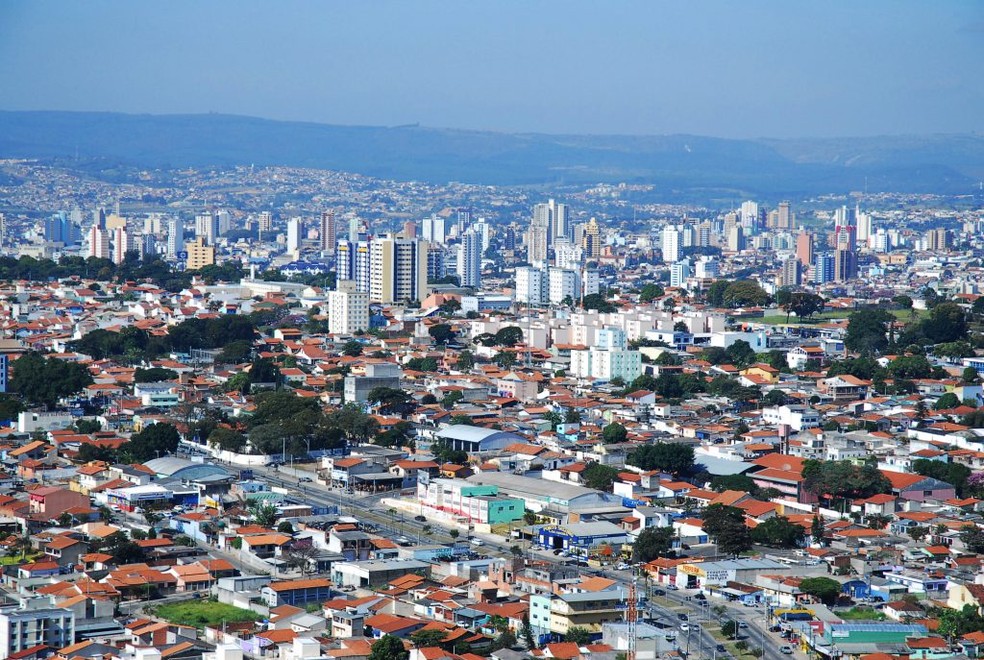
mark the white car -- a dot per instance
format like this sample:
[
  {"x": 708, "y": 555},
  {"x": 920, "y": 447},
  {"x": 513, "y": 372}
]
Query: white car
[{"x": 684, "y": 627}]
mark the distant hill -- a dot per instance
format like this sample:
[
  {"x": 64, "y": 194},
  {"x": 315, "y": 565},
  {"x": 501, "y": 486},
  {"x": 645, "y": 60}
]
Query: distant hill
[{"x": 939, "y": 163}]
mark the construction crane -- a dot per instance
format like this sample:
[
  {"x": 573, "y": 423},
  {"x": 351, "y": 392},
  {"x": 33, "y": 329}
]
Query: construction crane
[{"x": 631, "y": 616}]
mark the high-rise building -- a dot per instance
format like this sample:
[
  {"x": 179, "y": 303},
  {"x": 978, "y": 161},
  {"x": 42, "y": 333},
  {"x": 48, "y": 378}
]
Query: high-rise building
[
  {"x": 3, "y": 229},
  {"x": 568, "y": 255},
  {"x": 463, "y": 218},
  {"x": 99, "y": 243},
  {"x": 352, "y": 263},
  {"x": 555, "y": 218},
  {"x": 749, "y": 214},
  {"x": 122, "y": 243},
  {"x": 434, "y": 230},
  {"x": 679, "y": 273},
  {"x": 328, "y": 231},
  {"x": 804, "y": 248},
  {"x": 736, "y": 239},
  {"x": 563, "y": 285},
  {"x": 591, "y": 241},
  {"x": 199, "y": 254},
  {"x": 864, "y": 227},
  {"x": 348, "y": 309},
  {"x": 532, "y": 285},
  {"x": 789, "y": 274},
  {"x": 265, "y": 224},
  {"x": 436, "y": 264},
  {"x": 207, "y": 227},
  {"x": 35, "y": 624},
  {"x": 670, "y": 245},
  {"x": 845, "y": 229},
  {"x": 470, "y": 260},
  {"x": 845, "y": 265},
  {"x": 939, "y": 240},
  {"x": 537, "y": 241},
  {"x": 175, "y": 238},
  {"x": 148, "y": 245},
  {"x": 224, "y": 222},
  {"x": 484, "y": 230},
  {"x": 295, "y": 227},
  {"x": 785, "y": 218},
  {"x": 706, "y": 268},
  {"x": 409, "y": 229},
  {"x": 823, "y": 269},
  {"x": 99, "y": 218},
  {"x": 398, "y": 269}
]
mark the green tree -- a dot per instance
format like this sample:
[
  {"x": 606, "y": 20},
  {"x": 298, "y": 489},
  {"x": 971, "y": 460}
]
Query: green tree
[
  {"x": 651, "y": 292},
  {"x": 947, "y": 322},
  {"x": 947, "y": 401},
  {"x": 508, "y": 336},
  {"x": 441, "y": 333},
  {"x": 744, "y": 293},
  {"x": 817, "y": 530},
  {"x": 227, "y": 439},
  {"x": 155, "y": 375},
  {"x": 285, "y": 527},
  {"x": 823, "y": 588},
  {"x": 805, "y": 305},
  {"x": 465, "y": 361},
  {"x": 970, "y": 374},
  {"x": 726, "y": 524},
  {"x": 651, "y": 543},
  {"x": 740, "y": 353},
  {"x": 867, "y": 331},
  {"x": 598, "y": 302},
  {"x": 955, "y": 474},
  {"x": 236, "y": 352},
  {"x": 526, "y": 630},
  {"x": 86, "y": 426},
  {"x": 352, "y": 348},
  {"x": 263, "y": 514},
  {"x": 730, "y": 629},
  {"x": 715, "y": 292},
  {"x": 778, "y": 532},
  {"x": 740, "y": 482},
  {"x": 43, "y": 381},
  {"x": 599, "y": 476},
  {"x": 675, "y": 458},
  {"x": 614, "y": 433},
  {"x": 391, "y": 400},
  {"x": 428, "y": 637},
  {"x": 388, "y": 647},
  {"x": 504, "y": 359},
  {"x": 155, "y": 440}
]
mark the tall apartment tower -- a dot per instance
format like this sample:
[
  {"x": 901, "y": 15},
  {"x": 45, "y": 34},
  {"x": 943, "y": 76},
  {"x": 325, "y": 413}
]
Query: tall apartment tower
[
  {"x": 790, "y": 273},
  {"x": 265, "y": 224},
  {"x": 670, "y": 244},
  {"x": 434, "y": 229},
  {"x": 749, "y": 214},
  {"x": 845, "y": 229},
  {"x": 845, "y": 265},
  {"x": 785, "y": 219},
  {"x": 591, "y": 241},
  {"x": 200, "y": 254},
  {"x": 328, "y": 231},
  {"x": 295, "y": 227},
  {"x": 397, "y": 269},
  {"x": 537, "y": 242},
  {"x": 470, "y": 260},
  {"x": 207, "y": 227},
  {"x": 804, "y": 248},
  {"x": 122, "y": 243},
  {"x": 175, "y": 238},
  {"x": 348, "y": 309},
  {"x": 736, "y": 238},
  {"x": 99, "y": 243},
  {"x": 352, "y": 263}
]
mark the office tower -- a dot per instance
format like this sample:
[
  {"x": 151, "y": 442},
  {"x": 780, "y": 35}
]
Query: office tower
[
  {"x": 398, "y": 269},
  {"x": 679, "y": 273},
  {"x": 3, "y": 229},
  {"x": 736, "y": 239},
  {"x": 348, "y": 309},
  {"x": 354, "y": 229},
  {"x": 295, "y": 226},
  {"x": 199, "y": 254},
  {"x": 4, "y": 372},
  {"x": 804, "y": 248},
  {"x": 352, "y": 263},
  {"x": 688, "y": 235},
  {"x": 436, "y": 263},
  {"x": 265, "y": 224},
  {"x": 845, "y": 229},
  {"x": 99, "y": 218},
  {"x": 749, "y": 214},
  {"x": 470, "y": 260},
  {"x": 99, "y": 243},
  {"x": 532, "y": 285},
  {"x": 590, "y": 282},
  {"x": 789, "y": 273},
  {"x": 121, "y": 244},
  {"x": 207, "y": 227},
  {"x": 53, "y": 227},
  {"x": 175, "y": 238},
  {"x": 670, "y": 245},
  {"x": 845, "y": 265},
  {"x": 409, "y": 229},
  {"x": 563, "y": 285},
  {"x": 537, "y": 237},
  {"x": 555, "y": 218},
  {"x": 864, "y": 227},
  {"x": 328, "y": 237},
  {"x": 591, "y": 239},
  {"x": 224, "y": 220},
  {"x": 434, "y": 230},
  {"x": 879, "y": 241}
]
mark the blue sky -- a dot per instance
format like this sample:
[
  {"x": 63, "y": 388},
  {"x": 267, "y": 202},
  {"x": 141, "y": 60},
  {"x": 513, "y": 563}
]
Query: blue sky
[{"x": 730, "y": 69}]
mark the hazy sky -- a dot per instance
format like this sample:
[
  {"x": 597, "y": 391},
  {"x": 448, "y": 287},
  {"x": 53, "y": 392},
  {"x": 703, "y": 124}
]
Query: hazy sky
[{"x": 733, "y": 69}]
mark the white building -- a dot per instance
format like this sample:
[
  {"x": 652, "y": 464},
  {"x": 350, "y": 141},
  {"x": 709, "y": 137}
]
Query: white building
[
  {"x": 470, "y": 260},
  {"x": 348, "y": 309},
  {"x": 34, "y": 623},
  {"x": 671, "y": 245},
  {"x": 99, "y": 243},
  {"x": 397, "y": 269},
  {"x": 798, "y": 418},
  {"x": 532, "y": 286},
  {"x": 295, "y": 228},
  {"x": 706, "y": 268},
  {"x": 679, "y": 273},
  {"x": 434, "y": 229},
  {"x": 563, "y": 284},
  {"x": 207, "y": 227},
  {"x": 175, "y": 238},
  {"x": 608, "y": 358},
  {"x": 122, "y": 243}
]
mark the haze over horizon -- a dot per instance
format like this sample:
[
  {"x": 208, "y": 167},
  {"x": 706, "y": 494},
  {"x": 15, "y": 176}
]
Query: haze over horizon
[{"x": 734, "y": 70}]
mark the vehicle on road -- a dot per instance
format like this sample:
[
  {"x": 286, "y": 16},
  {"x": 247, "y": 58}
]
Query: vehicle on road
[
  {"x": 742, "y": 624},
  {"x": 477, "y": 542},
  {"x": 786, "y": 649},
  {"x": 684, "y": 627},
  {"x": 622, "y": 567},
  {"x": 683, "y": 617},
  {"x": 305, "y": 480},
  {"x": 420, "y": 518}
]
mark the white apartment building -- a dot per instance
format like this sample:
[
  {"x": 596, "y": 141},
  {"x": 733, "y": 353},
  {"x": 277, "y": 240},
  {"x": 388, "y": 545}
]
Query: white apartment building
[
  {"x": 295, "y": 228},
  {"x": 470, "y": 260},
  {"x": 563, "y": 284},
  {"x": 33, "y": 623},
  {"x": 671, "y": 245},
  {"x": 608, "y": 358},
  {"x": 798, "y": 418},
  {"x": 397, "y": 269},
  {"x": 348, "y": 309},
  {"x": 532, "y": 286}
]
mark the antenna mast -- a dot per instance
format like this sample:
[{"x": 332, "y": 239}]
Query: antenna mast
[{"x": 632, "y": 614}]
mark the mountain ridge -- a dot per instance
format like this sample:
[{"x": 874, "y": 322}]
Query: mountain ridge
[{"x": 941, "y": 163}]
